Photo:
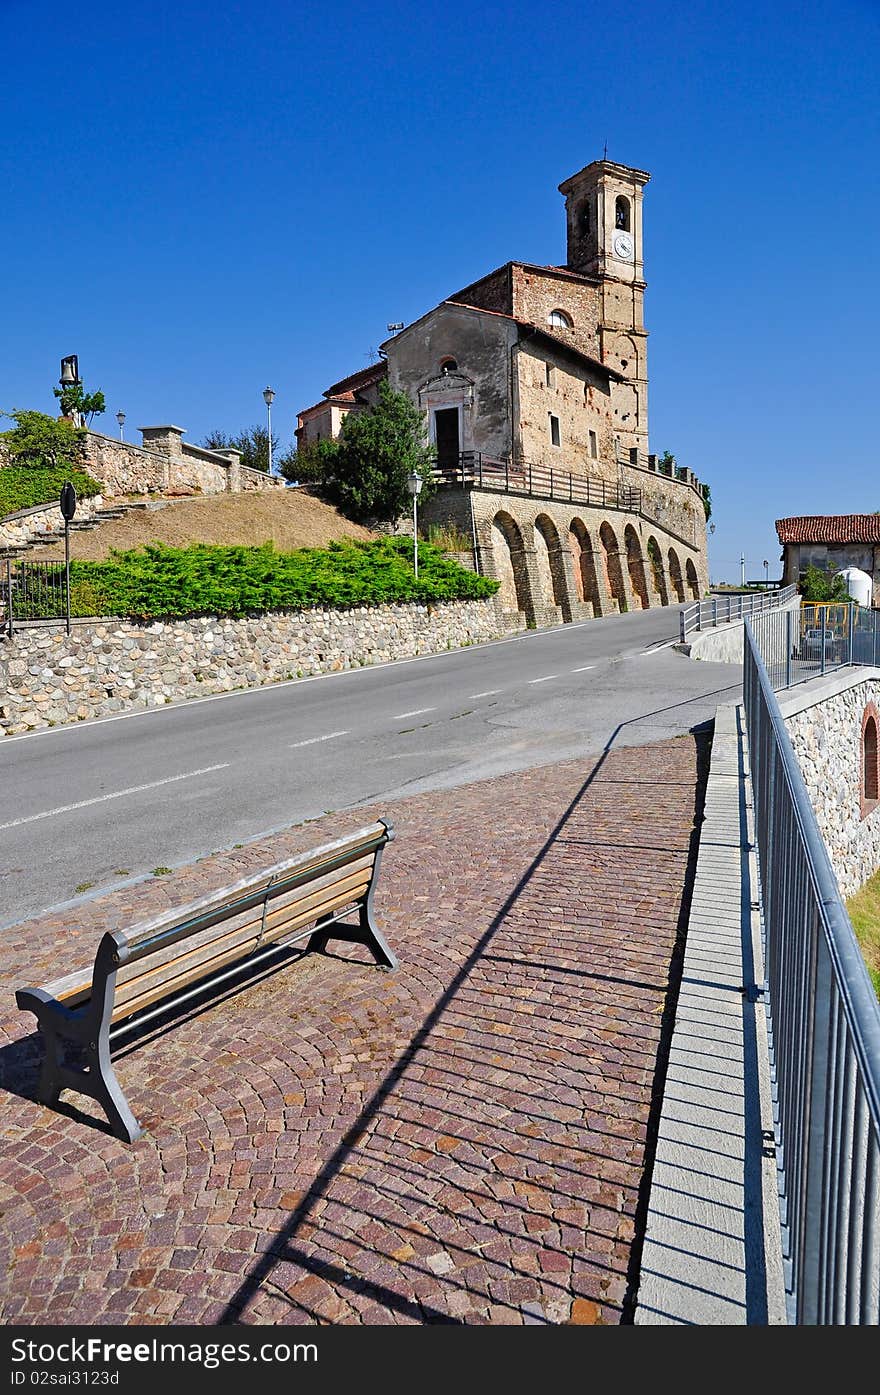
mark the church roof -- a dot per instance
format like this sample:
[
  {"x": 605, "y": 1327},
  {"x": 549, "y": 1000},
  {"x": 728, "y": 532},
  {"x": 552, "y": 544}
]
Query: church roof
[
  {"x": 830, "y": 528},
  {"x": 346, "y": 388},
  {"x": 541, "y": 332}
]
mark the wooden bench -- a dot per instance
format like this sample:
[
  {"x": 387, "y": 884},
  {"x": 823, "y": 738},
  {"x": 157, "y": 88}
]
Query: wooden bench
[{"x": 156, "y": 964}]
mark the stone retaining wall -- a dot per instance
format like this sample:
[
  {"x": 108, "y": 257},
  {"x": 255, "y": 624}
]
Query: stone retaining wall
[
  {"x": 824, "y": 720},
  {"x": 106, "y": 666},
  {"x": 43, "y": 521}
]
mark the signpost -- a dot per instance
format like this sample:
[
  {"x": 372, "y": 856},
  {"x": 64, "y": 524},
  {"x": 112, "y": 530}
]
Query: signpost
[{"x": 68, "y": 509}]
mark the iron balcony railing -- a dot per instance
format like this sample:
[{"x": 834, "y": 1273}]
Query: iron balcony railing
[
  {"x": 824, "y": 1031},
  {"x": 799, "y": 644},
  {"x": 475, "y": 470},
  {"x": 721, "y": 610}
]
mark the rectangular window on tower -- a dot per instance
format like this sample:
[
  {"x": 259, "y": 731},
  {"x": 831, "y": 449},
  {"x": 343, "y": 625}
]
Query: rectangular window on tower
[
  {"x": 550, "y": 375},
  {"x": 554, "y": 430},
  {"x": 594, "y": 445}
]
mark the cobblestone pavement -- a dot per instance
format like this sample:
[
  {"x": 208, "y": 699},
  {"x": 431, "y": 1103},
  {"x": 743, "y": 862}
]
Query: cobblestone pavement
[{"x": 461, "y": 1141}]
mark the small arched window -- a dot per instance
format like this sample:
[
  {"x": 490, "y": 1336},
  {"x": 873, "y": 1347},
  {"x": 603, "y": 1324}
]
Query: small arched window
[
  {"x": 870, "y": 781},
  {"x": 558, "y": 319},
  {"x": 621, "y": 213},
  {"x": 448, "y": 365}
]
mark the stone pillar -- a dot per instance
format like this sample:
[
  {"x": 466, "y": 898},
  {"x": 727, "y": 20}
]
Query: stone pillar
[
  {"x": 167, "y": 439},
  {"x": 607, "y": 604},
  {"x": 544, "y": 612},
  {"x": 233, "y": 477}
]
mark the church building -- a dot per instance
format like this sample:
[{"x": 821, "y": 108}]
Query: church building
[{"x": 534, "y": 385}]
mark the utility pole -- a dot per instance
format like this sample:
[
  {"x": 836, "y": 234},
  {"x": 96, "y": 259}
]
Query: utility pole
[{"x": 742, "y": 569}]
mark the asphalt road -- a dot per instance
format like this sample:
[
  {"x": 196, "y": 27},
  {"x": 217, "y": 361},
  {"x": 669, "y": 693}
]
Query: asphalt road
[{"x": 91, "y": 806}]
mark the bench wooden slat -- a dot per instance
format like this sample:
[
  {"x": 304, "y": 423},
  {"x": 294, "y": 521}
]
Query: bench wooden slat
[
  {"x": 199, "y": 963},
  {"x": 361, "y": 843},
  {"x": 225, "y": 934}
]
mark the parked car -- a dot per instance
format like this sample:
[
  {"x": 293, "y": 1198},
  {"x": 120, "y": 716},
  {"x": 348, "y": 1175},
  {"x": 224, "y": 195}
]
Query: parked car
[{"x": 811, "y": 645}]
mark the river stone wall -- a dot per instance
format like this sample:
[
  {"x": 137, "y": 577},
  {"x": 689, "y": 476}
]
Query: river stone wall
[
  {"x": 824, "y": 720},
  {"x": 104, "y": 666}
]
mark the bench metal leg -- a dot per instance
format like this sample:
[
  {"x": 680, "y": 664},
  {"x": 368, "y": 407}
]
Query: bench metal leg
[
  {"x": 366, "y": 932},
  {"x": 96, "y": 1078}
]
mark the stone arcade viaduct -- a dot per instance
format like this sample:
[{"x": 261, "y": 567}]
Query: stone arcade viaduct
[{"x": 567, "y": 548}]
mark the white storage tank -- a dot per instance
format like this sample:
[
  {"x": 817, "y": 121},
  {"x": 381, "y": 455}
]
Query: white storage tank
[{"x": 858, "y": 584}]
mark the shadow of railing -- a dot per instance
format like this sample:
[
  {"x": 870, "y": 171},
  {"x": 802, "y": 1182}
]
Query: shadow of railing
[{"x": 431, "y": 1042}]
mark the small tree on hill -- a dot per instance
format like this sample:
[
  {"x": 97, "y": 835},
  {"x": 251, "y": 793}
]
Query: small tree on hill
[{"x": 39, "y": 441}]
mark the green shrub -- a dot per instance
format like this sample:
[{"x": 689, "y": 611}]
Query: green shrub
[
  {"x": 38, "y": 441},
  {"x": 167, "y": 583},
  {"x": 23, "y": 486}
]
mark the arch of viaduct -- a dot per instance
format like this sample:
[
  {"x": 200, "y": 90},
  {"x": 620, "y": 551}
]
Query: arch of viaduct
[{"x": 563, "y": 562}]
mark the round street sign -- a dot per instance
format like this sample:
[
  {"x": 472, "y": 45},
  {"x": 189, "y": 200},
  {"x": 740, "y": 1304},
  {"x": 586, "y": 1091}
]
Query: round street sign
[{"x": 68, "y": 501}]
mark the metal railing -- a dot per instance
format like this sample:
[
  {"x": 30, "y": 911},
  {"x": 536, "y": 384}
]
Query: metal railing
[
  {"x": 721, "y": 610},
  {"x": 817, "y": 639},
  {"x": 824, "y": 1030},
  {"x": 475, "y": 470},
  {"x": 32, "y": 592}
]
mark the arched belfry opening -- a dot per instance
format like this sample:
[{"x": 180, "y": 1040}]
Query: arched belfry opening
[{"x": 622, "y": 213}]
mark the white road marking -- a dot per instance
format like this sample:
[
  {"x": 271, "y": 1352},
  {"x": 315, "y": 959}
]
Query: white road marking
[
  {"x": 545, "y": 679},
  {"x": 490, "y": 692},
  {"x": 418, "y": 713},
  {"x": 586, "y": 668},
  {"x": 313, "y": 740},
  {"x": 102, "y": 798}
]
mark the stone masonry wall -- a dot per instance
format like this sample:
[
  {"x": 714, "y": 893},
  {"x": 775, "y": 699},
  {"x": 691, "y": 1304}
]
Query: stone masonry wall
[
  {"x": 46, "y": 521},
  {"x": 106, "y": 666},
  {"x": 128, "y": 469},
  {"x": 827, "y": 736}
]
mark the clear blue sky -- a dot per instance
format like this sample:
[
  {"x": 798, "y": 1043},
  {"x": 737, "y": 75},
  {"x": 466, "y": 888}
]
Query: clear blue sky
[{"x": 202, "y": 198}]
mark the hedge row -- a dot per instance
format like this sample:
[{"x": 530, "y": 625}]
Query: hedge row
[
  {"x": 159, "y": 583},
  {"x": 21, "y": 487}
]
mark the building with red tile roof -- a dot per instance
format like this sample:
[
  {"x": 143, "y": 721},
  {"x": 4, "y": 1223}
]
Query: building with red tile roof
[{"x": 831, "y": 542}]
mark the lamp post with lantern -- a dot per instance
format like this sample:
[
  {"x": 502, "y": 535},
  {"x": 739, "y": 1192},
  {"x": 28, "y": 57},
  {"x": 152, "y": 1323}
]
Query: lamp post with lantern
[
  {"x": 120, "y": 419},
  {"x": 269, "y": 398},
  {"x": 414, "y": 484}
]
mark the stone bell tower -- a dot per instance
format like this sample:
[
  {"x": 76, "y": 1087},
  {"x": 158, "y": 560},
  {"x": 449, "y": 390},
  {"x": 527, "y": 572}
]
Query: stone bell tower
[{"x": 603, "y": 207}]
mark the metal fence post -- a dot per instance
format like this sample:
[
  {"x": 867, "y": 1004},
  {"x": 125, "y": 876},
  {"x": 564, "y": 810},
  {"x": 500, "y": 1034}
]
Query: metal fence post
[
  {"x": 9, "y": 596},
  {"x": 714, "y": 610},
  {"x": 852, "y": 618},
  {"x": 822, "y": 637},
  {"x": 788, "y": 648}
]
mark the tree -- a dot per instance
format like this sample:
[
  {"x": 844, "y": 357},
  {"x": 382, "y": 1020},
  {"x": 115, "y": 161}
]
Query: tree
[
  {"x": 253, "y": 445},
  {"x": 823, "y": 584},
  {"x": 81, "y": 405},
  {"x": 366, "y": 471},
  {"x": 39, "y": 441},
  {"x": 316, "y": 463}
]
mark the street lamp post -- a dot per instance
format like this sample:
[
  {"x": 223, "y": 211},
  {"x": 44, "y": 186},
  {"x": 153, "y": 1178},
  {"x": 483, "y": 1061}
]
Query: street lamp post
[
  {"x": 269, "y": 398},
  {"x": 414, "y": 484},
  {"x": 766, "y": 574},
  {"x": 120, "y": 417}
]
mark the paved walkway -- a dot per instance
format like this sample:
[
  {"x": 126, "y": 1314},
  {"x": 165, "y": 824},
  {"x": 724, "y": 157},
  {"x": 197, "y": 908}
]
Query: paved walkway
[{"x": 461, "y": 1141}]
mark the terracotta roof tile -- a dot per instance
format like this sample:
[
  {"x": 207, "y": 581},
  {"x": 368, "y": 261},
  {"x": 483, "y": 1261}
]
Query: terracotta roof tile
[{"x": 830, "y": 528}]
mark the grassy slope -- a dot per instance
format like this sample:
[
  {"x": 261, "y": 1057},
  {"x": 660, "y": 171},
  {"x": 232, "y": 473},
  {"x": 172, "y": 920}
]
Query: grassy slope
[
  {"x": 864, "y": 912},
  {"x": 290, "y": 519}
]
